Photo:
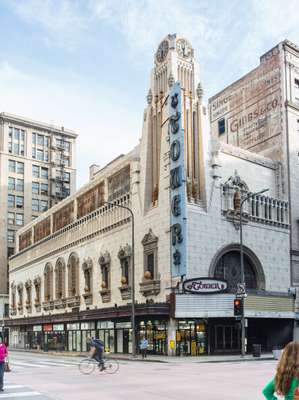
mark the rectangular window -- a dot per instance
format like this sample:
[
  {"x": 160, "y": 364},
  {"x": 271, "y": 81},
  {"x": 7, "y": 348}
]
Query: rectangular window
[
  {"x": 40, "y": 140},
  {"x": 35, "y": 205},
  {"x": 22, "y": 150},
  {"x": 19, "y": 201},
  {"x": 20, "y": 168},
  {"x": 151, "y": 264},
  {"x": 19, "y": 219},
  {"x": 46, "y": 155},
  {"x": 11, "y": 166},
  {"x": 10, "y": 147},
  {"x": 43, "y": 205},
  {"x": 11, "y": 183},
  {"x": 47, "y": 141},
  {"x": 16, "y": 148},
  {"x": 33, "y": 152},
  {"x": 34, "y": 138},
  {"x": 35, "y": 187},
  {"x": 20, "y": 185},
  {"x": 44, "y": 173},
  {"x": 16, "y": 134},
  {"x": 40, "y": 155},
  {"x": 35, "y": 171},
  {"x": 11, "y": 201},
  {"x": 44, "y": 189},
  {"x": 221, "y": 126},
  {"x": 22, "y": 135},
  {"x": 10, "y": 236},
  {"x": 66, "y": 176},
  {"x": 11, "y": 218}
]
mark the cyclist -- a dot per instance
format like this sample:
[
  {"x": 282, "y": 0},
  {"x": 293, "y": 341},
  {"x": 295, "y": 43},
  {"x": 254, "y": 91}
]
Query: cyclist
[{"x": 97, "y": 346}]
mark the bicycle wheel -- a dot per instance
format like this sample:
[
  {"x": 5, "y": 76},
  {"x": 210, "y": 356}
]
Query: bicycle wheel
[
  {"x": 111, "y": 366},
  {"x": 87, "y": 366}
]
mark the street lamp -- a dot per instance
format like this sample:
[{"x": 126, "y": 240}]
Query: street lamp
[
  {"x": 242, "y": 268},
  {"x": 133, "y": 276}
]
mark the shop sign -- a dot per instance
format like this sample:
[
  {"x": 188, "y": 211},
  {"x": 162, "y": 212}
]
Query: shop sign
[
  {"x": 178, "y": 218},
  {"x": 87, "y": 325},
  {"x": 205, "y": 285},
  {"x": 37, "y": 328},
  {"x": 73, "y": 327},
  {"x": 105, "y": 325},
  {"x": 58, "y": 327},
  {"x": 48, "y": 328}
]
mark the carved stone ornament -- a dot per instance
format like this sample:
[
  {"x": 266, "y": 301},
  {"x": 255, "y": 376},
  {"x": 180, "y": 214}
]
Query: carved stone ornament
[
  {"x": 149, "y": 238},
  {"x": 104, "y": 258},
  {"x": 20, "y": 287},
  {"x": 124, "y": 251},
  {"x": 37, "y": 281},
  {"x": 149, "y": 97},
  {"x": 199, "y": 92},
  {"x": 87, "y": 264},
  {"x": 237, "y": 183},
  {"x": 28, "y": 284},
  {"x": 170, "y": 80}
]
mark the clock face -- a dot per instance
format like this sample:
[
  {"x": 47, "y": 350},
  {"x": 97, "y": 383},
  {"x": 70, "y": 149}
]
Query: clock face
[
  {"x": 183, "y": 48},
  {"x": 162, "y": 51}
]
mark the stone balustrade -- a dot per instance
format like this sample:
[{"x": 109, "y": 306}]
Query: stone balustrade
[
  {"x": 257, "y": 208},
  {"x": 100, "y": 221}
]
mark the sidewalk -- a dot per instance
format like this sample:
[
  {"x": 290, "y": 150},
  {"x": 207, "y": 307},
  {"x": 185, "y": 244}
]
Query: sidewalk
[{"x": 159, "y": 358}]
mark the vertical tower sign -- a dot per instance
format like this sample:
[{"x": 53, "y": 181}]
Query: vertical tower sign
[{"x": 178, "y": 219}]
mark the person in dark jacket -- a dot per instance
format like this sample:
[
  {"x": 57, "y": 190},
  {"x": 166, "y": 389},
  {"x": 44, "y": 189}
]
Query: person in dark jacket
[{"x": 98, "y": 346}]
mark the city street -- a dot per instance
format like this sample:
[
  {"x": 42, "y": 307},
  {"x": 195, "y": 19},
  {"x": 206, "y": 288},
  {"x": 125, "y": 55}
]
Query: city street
[{"x": 36, "y": 376}]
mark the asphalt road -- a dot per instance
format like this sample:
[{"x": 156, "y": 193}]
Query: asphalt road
[{"x": 50, "y": 377}]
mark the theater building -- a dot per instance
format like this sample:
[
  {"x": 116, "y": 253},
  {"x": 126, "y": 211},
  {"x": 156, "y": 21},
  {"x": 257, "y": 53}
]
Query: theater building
[{"x": 71, "y": 276}]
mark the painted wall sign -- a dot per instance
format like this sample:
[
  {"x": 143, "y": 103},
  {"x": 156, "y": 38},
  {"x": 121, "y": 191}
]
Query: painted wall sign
[
  {"x": 178, "y": 219},
  {"x": 205, "y": 285},
  {"x": 251, "y": 107}
]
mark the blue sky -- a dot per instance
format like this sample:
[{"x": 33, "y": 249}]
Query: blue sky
[{"x": 85, "y": 64}]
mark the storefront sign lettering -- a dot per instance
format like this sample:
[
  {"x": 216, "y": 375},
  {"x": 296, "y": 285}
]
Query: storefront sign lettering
[
  {"x": 177, "y": 184},
  {"x": 205, "y": 285}
]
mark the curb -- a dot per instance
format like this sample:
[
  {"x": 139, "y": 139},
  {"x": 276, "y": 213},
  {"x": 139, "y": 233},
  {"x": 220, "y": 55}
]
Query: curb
[{"x": 168, "y": 361}]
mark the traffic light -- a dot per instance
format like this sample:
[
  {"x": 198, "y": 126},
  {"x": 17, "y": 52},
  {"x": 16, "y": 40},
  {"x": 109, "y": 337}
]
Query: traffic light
[{"x": 238, "y": 307}]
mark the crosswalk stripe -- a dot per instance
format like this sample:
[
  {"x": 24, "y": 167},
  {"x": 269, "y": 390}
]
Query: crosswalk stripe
[
  {"x": 18, "y": 363},
  {"x": 14, "y": 386},
  {"x": 54, "y": 364},
  {"x": 19, "y": 394}
]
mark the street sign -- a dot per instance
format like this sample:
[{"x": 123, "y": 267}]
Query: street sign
[{"x": 241, "y": 290}]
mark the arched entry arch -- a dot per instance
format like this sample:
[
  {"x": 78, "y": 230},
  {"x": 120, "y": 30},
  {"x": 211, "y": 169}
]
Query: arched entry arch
[{"x": 226, "y": 265}]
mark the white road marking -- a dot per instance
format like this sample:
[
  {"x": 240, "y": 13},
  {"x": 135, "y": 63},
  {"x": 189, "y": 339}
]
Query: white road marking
[
  {"x": 18, "y": 363},
  {"x": 19, "y": 394}
]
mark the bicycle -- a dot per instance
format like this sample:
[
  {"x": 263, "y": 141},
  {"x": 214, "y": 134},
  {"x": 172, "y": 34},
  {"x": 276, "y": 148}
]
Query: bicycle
[{"x": 88, "y": 365}]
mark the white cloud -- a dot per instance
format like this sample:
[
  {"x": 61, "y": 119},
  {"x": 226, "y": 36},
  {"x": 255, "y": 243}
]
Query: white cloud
[
  {"x": 144, "y": 23},
  {"x": 62, "y": 21}
]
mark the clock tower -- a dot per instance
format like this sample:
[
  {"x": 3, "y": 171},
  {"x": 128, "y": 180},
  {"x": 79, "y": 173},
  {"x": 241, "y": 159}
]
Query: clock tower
[{"x": 174, "y": 61}]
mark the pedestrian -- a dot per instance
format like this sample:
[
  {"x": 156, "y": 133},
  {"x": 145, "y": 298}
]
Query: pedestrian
[
  {"x": 143, "y": 347},
  {"x": 3, "y": 355},
  {"x": 286, "y": 380}
]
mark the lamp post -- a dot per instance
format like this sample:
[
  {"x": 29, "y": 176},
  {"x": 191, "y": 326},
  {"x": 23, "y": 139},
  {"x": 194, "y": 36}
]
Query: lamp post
[
  {"x": 242, "y": 269},
  {"x": 133, "y": 275}
]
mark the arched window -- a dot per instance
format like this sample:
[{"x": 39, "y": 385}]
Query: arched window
[
  {"x": 228, "y": 268},
  {"x": 73, "y": 275},
  {"x": 60, "y": 279},
  {"x": 48, "y": 282}
]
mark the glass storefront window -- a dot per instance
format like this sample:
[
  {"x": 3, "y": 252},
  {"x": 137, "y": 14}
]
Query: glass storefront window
[
  {"x": 156, "y": 333},
  {"x": 191, "y": 338}
]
